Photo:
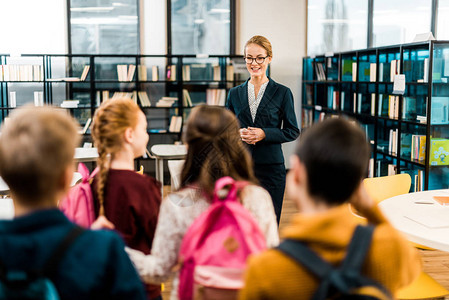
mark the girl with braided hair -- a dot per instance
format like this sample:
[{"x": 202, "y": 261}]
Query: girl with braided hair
[
  {"x": 129, "y": 200},
  {"x": 214, "y": 150}
]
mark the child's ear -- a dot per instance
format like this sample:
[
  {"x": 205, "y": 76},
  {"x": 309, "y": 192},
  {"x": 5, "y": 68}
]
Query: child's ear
[
  {"x": 129, "y": 135},
  {"x": 295, "y": 168}
]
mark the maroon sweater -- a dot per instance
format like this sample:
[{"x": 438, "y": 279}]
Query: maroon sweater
[{"x": 132, "y": 204}]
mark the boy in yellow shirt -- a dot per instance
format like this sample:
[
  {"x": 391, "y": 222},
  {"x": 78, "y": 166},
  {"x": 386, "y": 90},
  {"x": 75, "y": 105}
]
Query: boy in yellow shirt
[{"x": 326, "y": 173}]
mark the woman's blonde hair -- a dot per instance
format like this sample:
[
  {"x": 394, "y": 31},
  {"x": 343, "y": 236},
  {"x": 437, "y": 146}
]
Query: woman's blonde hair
[
  {"x": 110, "y": 122},
  {"x": 262, "y": 42},
  {"x": 214, "y": 149}
]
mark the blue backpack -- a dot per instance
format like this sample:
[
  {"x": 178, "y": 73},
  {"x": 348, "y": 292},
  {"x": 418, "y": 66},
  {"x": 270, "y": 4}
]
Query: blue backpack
[
  {"x": 345, "y": 281},
  {"x": 35, "y": 284}
]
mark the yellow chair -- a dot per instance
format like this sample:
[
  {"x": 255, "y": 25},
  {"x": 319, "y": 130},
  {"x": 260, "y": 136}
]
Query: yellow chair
[{"x": 381, "y": 188}]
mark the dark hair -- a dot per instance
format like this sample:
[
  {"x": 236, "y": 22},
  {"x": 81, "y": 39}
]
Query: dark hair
[
  {"x": 335, "y": 153},
  {"x": 214, "y": 149}
]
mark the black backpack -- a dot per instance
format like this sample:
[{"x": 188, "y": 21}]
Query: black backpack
[
  {"x": 35, "y": 284},
  {"x": 345, "y": 281}
]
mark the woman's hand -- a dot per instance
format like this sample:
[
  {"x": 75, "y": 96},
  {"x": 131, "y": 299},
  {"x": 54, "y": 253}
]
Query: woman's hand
[{"x": 252, "y": 135}]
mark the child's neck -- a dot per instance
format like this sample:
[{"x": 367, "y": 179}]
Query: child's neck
[{"x": 123, "y": 160}]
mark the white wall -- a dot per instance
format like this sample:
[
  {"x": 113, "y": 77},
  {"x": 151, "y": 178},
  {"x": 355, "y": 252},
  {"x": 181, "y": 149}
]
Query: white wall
[
  {"x": 31, "y": 26},
  {"x": 283, "y": 22},
  {"x": 153, "y": 27}
]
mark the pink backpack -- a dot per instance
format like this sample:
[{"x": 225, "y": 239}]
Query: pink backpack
[
  {"x": 215, "y": 247},
  {"x": 78, "y": 205}
]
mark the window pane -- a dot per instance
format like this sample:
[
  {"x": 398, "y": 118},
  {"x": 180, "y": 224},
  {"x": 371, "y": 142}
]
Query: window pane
[
  {"x": 104, "y": 26},
  {"x": 336, "y": 25},
  {"x": 200, "y": 26},
  {"x": 397, "y": 22},
  {"x": 443, "y": 20}
]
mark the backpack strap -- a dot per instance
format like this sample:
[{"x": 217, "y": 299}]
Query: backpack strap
[
  {"x": 51, "y": 266},
  {"x": 234, "y": 187},
  {"x": 333, "y": 278},
  {"x": 358, "y": 249}
]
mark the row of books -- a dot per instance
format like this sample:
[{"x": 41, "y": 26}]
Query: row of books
[
  {"x": 175, "y": 124},
  {"x": 201, "y": 71},
  {"x": 418, "y": 147},
  {"x": 216, "y": 97},
  {"x": 21, "y": 73},
  {"x": 81, "y": 78},
  {"x": 320, "y": 72}
]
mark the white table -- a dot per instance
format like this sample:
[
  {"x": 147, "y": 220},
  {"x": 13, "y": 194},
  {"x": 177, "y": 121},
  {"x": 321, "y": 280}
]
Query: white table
[
  {"x": 409, "y": 212},
  {"x": 7, "y": 205},
  {"x": 86, "y": 154},
  {"x": 166, "y": 151}
]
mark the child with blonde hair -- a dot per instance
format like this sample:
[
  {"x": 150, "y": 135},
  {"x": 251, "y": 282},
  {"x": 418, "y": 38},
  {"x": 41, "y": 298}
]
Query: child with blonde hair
[
  {"x": 129, "y": 200},
  {"x": 37, "y": 147}
]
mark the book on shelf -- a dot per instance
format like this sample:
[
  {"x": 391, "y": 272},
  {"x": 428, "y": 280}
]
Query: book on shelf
[
  {"x": 307, "y": 118},
  {"x": 142, "y": 73},
  {"x": 373, "y": 104},
  {"x": 175, "y": 124},
  {"x": 157, "y": 130},
  {"x": 354, "y": 71},
  {"x": 126, "y": 72},
  {"x": 12, "y": 99},
  {"x": 393, "y": 144},
  {"x": 418, "y": 147},
  {"x": 372, "y": 72},
  {"x": 342, "y": 97},
  {"x": 144, "y": 99},
  {"x": 439, "y": 152},
  {"x": 391, "y": 169},
  {"x": 171, "y": 72},
  {"x": 426, "y": 70},
  {"x": 347, "y": 70},
  {"x": 186, "y": 100},
  {"x": 364, "y": 71},
  {"x": 230, "y": 73},
  {"x": 419, "y": 181},
  {"x": 216, "y": 97},
  {"x": 319, "y": 71},
  {"x": 217, "y": 73},
  {"x": 381, "y": 72},
  {"x": 85, "y": 72},
  {"x": 155, "y": 73},
  {"x": 330, "y": 96},
  {"x": 38, "y": 98},
  {"x": 408, "y": 108},
  {"x": 371, "y": 168},
  {"x": 15, "y": 72},
  {"x": 357, "y": 103},
  {"x": 336, "y": 100},
  {"x": 406, "y": 144},
  {"x": 124, "y": 95},
  {"x": 166, "y": 101},
  {"x": 439, "y": 111},
  {"x": 86, "y": 126},
  {"x": 393, "y": 107},
  {"x": 186, "y": 72},
  {"x": 70, "y": 103},
  {"x": 395, "y": 67},
  {"x": 105, "y": 95}
]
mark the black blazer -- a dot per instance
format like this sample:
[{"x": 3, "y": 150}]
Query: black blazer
[{"x": 275, "y": 116}]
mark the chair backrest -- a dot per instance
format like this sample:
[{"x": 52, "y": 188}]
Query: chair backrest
[
  {"x": 175, "y": 169},
  {"x": 381, "y": 188}
]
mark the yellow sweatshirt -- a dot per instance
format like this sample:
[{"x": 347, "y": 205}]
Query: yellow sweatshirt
[{"x": 391, "y": 260}]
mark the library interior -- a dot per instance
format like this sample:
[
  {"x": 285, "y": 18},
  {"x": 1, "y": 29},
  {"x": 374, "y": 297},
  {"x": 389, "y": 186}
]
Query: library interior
[{"x": 381, "y": 65}]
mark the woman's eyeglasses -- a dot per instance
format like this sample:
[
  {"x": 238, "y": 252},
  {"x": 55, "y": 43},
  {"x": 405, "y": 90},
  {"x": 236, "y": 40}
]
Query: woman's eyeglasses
[{"x": 259, "y": 59}]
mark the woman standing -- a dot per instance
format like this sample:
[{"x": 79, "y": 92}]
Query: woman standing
[{"x": 267, "y": 118}]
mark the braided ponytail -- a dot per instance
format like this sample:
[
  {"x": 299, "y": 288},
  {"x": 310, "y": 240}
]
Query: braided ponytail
[{"x": 110, "y": 122}]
